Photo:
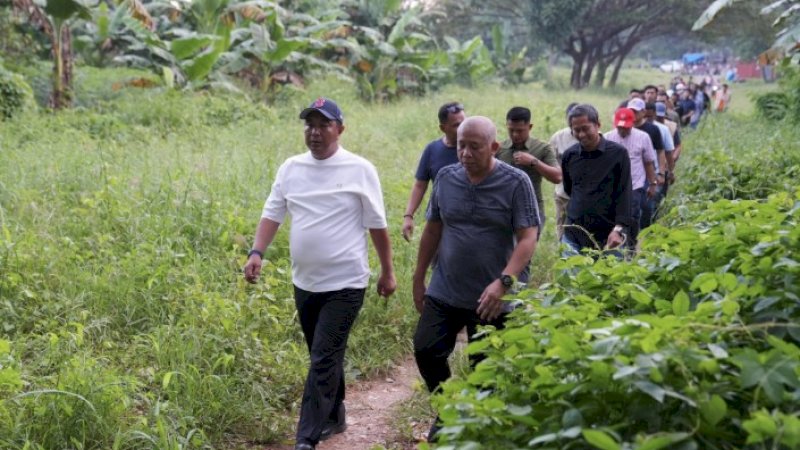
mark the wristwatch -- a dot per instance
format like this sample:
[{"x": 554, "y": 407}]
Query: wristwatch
[
  {"x": 507, "y": 280},
  {"x": 619, "y": 229}
]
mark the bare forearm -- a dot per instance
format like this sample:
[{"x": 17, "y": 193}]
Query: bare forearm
[
  {"x": 265, "y": 234},
  {"x": 650, "y": 171},
  {"x": 383, "y": 247},
  {"x": 551, "y": 173},
  {"x": 523, "y": 251},
  {"x": 417, "y": 193},
  {"x": 662, "y": 160},
  {"x": 428, "y": 245},
  {"x": 670, "y": 156}
]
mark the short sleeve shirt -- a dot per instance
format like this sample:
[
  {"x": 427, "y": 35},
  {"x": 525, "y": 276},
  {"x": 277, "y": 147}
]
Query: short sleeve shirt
[
  {"x": 332, "y": 202},
  {"x": 435, "y": 156},
  {"x": 479, "y": 222},
  {"x": 655, "y": 134},
  {"x": 640, "y": 152},
  {"x": 543, "y": 152},
  {"x": 560, "y": 142}
]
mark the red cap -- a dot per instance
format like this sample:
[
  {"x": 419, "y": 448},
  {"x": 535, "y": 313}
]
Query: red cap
[{"x": 624, "y": 118}]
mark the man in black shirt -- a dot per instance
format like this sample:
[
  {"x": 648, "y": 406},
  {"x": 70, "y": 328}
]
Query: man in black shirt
[{"x": 597, "y": 177}]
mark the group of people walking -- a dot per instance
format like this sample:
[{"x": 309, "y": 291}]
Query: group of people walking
[{"x": 482, "y": 223}]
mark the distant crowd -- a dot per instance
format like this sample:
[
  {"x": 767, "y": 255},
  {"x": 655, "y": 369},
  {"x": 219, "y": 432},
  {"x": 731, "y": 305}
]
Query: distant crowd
[{"x": 687, "y": 101}]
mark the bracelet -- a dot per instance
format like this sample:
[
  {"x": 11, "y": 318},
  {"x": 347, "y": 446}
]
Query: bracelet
[
  {"x": 408, "y": 215},
  {"x": 255, "y": 252}
]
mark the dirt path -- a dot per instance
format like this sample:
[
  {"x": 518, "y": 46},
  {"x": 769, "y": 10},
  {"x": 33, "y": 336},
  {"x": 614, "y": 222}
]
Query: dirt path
[{"x": 370, "y": 406}]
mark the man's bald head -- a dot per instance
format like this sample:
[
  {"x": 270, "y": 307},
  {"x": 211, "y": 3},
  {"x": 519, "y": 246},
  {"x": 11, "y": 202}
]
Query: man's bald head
[
  {"x": 477, "y": 145},
  {"x": 481, "y": 125}
]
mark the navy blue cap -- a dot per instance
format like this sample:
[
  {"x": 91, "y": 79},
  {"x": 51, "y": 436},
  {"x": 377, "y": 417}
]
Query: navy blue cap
[
  {"x": 661, "y": 109},
  {"x": 326, "y": 107}
]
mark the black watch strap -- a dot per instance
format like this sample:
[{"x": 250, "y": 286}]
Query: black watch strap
[{"x": 256, "y": 252}]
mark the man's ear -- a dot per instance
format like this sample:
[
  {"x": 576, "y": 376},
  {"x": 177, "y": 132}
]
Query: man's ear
[
  {"x": 441, "y": 127},
  {"x": 495, "y": 146},
  {"x": 530, "y": 126},
  {"x": 341, "y": 128}
]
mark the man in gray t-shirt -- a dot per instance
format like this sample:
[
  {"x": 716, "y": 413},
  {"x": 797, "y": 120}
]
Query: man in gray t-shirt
[{"x": 483, "y": 220}]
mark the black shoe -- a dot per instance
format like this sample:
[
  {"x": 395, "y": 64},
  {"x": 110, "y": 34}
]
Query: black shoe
[
  {"x": 335, "y": 424},
  {"x": 332, "y": 428},
  {"x": 304, "y": 446},
  {"x": 435, "y": 428}
]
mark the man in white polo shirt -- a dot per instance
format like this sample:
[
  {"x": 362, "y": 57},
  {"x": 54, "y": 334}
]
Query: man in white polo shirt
[{"x": 333, "y": 198}]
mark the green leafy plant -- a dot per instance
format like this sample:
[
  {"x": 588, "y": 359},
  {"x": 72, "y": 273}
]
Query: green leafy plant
[
  {"x": 469, "y": 63},
  {"x": 15, "y": 94},
  {"x": 54, "y": 19},
  {"x": 510, "y": 64}
]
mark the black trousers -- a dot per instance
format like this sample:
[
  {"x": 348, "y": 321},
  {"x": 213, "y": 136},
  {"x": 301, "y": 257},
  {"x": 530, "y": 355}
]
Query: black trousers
[
  {"x": 326, "y": 319},
  {"x": 436, "y": 334},
  {"x": 638, "y": 200}
]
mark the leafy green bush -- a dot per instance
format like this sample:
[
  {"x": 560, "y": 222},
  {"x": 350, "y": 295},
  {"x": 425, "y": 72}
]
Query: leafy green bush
[
  {"x": 773, "y": 105},
  {"x": 692, "y": 345},
  {"x": 784, "y": 104},
  {"x": 15, "y": 94},
  {"x": 733, "y": 158}
]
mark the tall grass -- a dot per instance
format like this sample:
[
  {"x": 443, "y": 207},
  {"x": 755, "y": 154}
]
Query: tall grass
[{"x": 124, "y": 320}]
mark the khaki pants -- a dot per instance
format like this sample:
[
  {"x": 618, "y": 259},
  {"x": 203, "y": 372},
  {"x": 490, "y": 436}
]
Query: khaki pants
[{"x": 561, "y": 215}]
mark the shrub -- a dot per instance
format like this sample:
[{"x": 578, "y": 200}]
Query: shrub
[
  {"x": 693, "y": 345},
  {"x": 15, "y": 94},
  {"x": 784, "y": 104},
  {"x": 773, "y": 105}
]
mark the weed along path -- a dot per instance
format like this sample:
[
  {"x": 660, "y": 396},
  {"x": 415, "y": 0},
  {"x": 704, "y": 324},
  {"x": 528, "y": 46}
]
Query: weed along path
[{"x": 370, "y": 407}]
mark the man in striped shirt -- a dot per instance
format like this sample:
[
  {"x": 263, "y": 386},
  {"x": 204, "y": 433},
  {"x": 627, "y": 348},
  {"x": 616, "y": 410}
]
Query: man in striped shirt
[{"x": 642, "y": 156}]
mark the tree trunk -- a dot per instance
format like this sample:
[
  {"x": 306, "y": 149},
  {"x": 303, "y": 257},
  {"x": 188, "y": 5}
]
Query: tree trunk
[
  {"x": 615, "y": 74},
  {"x": 61, "y": 97},
  {"x": 592, "y": 61},
  {"x": 600, "y": 78},
  {"x": 577, "y": 69},
  {"x": 618, "y": 65}
]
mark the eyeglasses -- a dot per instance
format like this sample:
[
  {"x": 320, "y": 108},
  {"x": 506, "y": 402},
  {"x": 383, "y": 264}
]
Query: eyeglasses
[{"x": 452, "y": 109}]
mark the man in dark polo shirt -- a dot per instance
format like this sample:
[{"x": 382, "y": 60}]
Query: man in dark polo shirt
[
  {"x": 482, "y": 219},
  {"x": 534, "y": 157},
  {"x": 597, "y": 177},
  {"x": 437, "y": 154}
]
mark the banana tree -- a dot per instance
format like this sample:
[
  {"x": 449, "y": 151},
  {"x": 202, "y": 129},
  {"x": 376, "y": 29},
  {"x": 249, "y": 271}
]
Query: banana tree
[
  {"x": 53, "y": 18},
  {"x": 182, "y": 56},
  {"x": 788, "y": 20},
  {"x": 510, "y": 64},
  {"x": 280, "y": 48},
  {"x": 470, "y": 61},
  {"x": 391, "y": 59}
]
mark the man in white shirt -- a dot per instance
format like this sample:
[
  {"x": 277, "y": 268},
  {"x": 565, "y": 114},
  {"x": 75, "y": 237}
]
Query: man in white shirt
[{"x": 333, "y": 197}]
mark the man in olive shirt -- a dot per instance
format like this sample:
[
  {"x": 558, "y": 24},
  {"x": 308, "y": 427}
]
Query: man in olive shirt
[{"x": 534, "y": 157}]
